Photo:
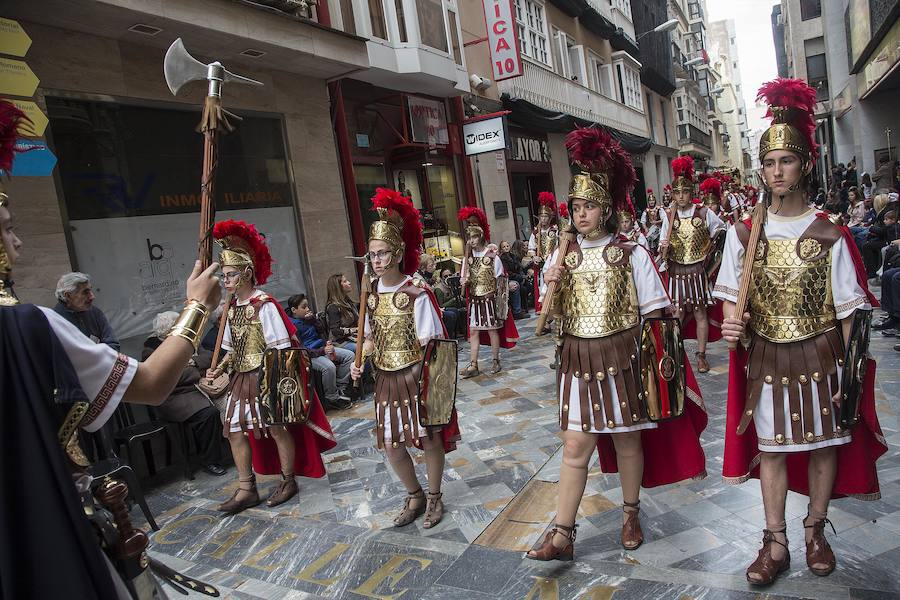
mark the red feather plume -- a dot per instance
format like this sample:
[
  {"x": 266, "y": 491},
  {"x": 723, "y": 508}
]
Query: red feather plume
[
  {"x": 467, "y": 211},
  {"x": 547, "y": 199},
  {"x": 711, "y": 186},
  {"x": 797, "y": 94},
  {"x": 683, "y": 166},
  {"x": 595, "y": 150},
  {"x": 11, "y": 118},
  {"x": 649, "y": 191},
  {"x": 564, "y": 210},
  {"x": 252, "y": 241},
  {"x": 667, "y": 188},
  {"x": 394, "y": 201}
]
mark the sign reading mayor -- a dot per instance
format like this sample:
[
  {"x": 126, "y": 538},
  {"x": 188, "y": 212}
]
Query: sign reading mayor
[{"x": 486, "y": 135}]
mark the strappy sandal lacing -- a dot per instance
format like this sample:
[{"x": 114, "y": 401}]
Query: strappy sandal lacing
[
  {"x": 408, "y": 515},
  {"x": 818, "y": 550},
  {"x": 470, "y": 371},
  {"x": 547, "y": 551},
  {"x": 766, "y": 567},
  {"x": 496, "y": 368},
  {"x": 702, "y": 363},
  {"x": 632, "y": 535},
  {"x": 434, "y": 510}
]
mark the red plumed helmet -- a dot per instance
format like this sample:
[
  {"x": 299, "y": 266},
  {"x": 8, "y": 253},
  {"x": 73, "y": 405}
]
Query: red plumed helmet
[
  {"x": 649, "y": 191},
  {"x": 404, "y": 216},
  {"x": 564, "y": 210},
  {"x": 548, "y": 200},
  {"x": 713, "y": 186},
  {"x": 242, "y": 239},
  {"x": 11, "y": 118},
  {"x": 683, "y": 166},
  {"x": 469, "y": 212},
  {"x": 595, "y": 151},
  {"x": 791, "y": 102},
  {"x": 667, "y": 188}
]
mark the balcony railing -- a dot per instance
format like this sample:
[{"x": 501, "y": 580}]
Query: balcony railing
[
  {"x": 548, "y": 90},
  {"x": 688, "y": 134}
]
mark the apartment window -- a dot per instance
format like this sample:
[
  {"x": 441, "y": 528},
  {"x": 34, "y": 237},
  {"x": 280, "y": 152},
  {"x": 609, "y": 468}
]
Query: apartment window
[
  {"x": 347, "y": 16},
  {"x": 575, "y": 55},
  {"x": 817, "y": 75},
  {"x": 650, "y": 117},
  {"x": 532, "y": 24},
  {"x": 678, "y": 101},
  {"x": 431, "y": 24},
  {"x": 810, "y": 9},
  {"x": 376, "y": 19},
  {"x": 629, "y": 86},
  {"x": 401, "y": 20},
  {"x": 558, "y": 49},
  {"x": 600, "y": 75},
  {"x": 454, "y": 37}
]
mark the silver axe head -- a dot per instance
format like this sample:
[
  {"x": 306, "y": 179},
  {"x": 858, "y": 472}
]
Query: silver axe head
[{"x": 180, "y": 68}]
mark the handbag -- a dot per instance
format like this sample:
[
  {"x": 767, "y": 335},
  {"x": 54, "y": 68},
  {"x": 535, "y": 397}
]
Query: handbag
[{"x": 214, "y": 388}]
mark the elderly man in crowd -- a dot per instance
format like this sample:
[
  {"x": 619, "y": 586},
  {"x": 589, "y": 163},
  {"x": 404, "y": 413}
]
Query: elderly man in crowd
[
  {"x": 76, "y": 305},
  {"x": 186, "y": 403}
]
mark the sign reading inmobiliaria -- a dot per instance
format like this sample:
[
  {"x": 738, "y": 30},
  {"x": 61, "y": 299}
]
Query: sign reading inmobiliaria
[{"x": 506, "y": 60}]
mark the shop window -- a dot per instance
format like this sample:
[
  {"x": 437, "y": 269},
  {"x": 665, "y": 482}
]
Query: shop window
[
  {"x": 376, "y": 19},
  {"x": 442, "y": 193},
  {"x": 454, "y": 38},
  {"x": 130, "y": 180},
  {"x": 532, "y": 24},
  {"x": 401, "y": 20},
  {"x": 431, "y": 24}
]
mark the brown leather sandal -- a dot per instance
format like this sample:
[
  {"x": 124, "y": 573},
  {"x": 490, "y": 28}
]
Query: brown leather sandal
[
  {"x": 470, "y": 371},
  {"x": 434, "y": 510},
  {"x": 766, "y": 567},
  {"x": 496, "y": 368},
  {"x": 632, "y": 535},
  {"x": 286, "y": 490},
  {"x": 547, "y": 551},
  {"x": 818, "y": 550},
  {"x": 702, "y": 363},
  {"x": 408, "y": 515},
  {"x": 233, "y": 506}
]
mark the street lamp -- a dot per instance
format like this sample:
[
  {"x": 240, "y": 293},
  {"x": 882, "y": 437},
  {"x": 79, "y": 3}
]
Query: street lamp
[{"x": 667, "y": 26}]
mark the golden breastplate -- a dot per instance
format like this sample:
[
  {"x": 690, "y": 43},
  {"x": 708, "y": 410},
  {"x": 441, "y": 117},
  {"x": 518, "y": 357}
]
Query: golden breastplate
[
  {"x": 790, "y": 298},
  {"x": 248, "y": 342},
  {"x": 598, "y": 299},
  {"x": 481, "y": 275},
  {"x": 546, "y": 243},
  {"x": 394, "y": 329},
  {"x": 690, "y": 240}
]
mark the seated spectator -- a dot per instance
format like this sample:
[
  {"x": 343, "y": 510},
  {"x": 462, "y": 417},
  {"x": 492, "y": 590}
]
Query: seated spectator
[
  {"x": 513, "y": 265},
  {"x": 427, "y": 267},
  {"x": 342, "y": 312},
  {"x": 76, "y": 304},
  {"x": 332, "y": 363},
  {"x": 452, "y": 304},
  {"x": 884, "y": 176},
  {"x": 890, "y": 292},
  {"x": 186, "y": 403},
  {"x": 209, "y": 340},
  {"x": 883, "y": 231}
]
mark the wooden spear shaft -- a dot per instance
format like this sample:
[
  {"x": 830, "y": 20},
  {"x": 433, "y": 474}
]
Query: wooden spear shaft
[
  {"x": 208, "y": 189},
  {"x": 365, "y": 288},
  {"x": 756, "y": 227},
  {"x": 565, "y": 239}
]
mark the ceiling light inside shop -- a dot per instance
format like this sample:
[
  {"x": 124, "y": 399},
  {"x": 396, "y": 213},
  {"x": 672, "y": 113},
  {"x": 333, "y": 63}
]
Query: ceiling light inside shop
[
  {"x": 252, "y": 53},
  {"x": 144, "y": 29}
]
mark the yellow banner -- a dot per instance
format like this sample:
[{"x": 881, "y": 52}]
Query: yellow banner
[
  {"x": 17, "y": 78},
  {"x": 38, "y": 118},
  {"x": 13, "y": 39}
]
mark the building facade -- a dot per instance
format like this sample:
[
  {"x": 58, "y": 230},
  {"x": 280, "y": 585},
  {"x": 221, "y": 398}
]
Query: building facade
[
  {"x": 123, "y": 202},
  {"x": 731, "y": 110}
]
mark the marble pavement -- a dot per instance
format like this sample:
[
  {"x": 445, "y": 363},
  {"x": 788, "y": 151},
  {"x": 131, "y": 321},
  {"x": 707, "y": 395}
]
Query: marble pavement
[{"x": 335, "y": 540}]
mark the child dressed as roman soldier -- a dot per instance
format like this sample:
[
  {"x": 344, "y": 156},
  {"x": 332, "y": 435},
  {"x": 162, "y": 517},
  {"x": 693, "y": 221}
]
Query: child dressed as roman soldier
[
  {"x": 256, "y": 322},
  {"x": 805, "y": 285},
  {"x": 402, "y": 316},
  {"x": 605, "y": 286},
  {"x": 692, "y": 229},
  {"x": 629, "y": 229},
  {"x": 483, "y": 276},
  {"x": 543, "y": 240},
  {"x": 651, "y": 220},
  {"x": 711, "y": 195}
]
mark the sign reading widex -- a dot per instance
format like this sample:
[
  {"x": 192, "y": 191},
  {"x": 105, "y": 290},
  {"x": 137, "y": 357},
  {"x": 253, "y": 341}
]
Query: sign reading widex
[
  {"x": 506, "y": 60},
  {"x": 487, "y": 135}
]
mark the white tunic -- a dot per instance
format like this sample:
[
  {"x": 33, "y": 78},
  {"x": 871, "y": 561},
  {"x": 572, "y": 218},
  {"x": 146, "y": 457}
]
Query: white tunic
[
  {"x": 276, "y": 336},
  {"x": 103, "y": 373},
  {"x": 428, "y": 326},
  {"x": 651, "y": 295},
  {"x": 847, "y": 295},
  {"x": 713, "y": 222}
]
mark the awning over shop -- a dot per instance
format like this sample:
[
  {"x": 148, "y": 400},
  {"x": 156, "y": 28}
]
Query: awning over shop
[{"x": 531, "y": 116}]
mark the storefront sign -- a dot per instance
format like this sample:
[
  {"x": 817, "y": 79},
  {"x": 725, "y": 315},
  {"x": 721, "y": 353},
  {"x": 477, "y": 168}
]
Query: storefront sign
[
  {"x": 17, "y": 78},
  {"x": 34, "y": 159},
  {"x": 530, "y": 149},
  {"x": 13, "y": 39},
  {"x": 487, "y": 135},
  {"x": 506, "y": 60},
  {"x": 428, "y": 121}
]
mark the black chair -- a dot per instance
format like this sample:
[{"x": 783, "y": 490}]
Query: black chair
[
  {"x": 110, "y": 465},
  {"x": 132, "y": 434}
]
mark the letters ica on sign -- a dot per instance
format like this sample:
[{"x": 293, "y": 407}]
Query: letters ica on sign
[
  {"x": 487, "y": 135},
  {"x": 506, "y": 60}
]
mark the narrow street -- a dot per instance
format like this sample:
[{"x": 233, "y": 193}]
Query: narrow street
[{"x": 336, "y": 541}]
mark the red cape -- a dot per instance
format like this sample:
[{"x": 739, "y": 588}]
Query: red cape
[
  {"x": 672, "y": 451},
  {"x": 856, "y": 472},
  {"x": 509, "y": 333},
  {"x": 311, "y": 439},
  {"x": 714, "y": 315}
]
